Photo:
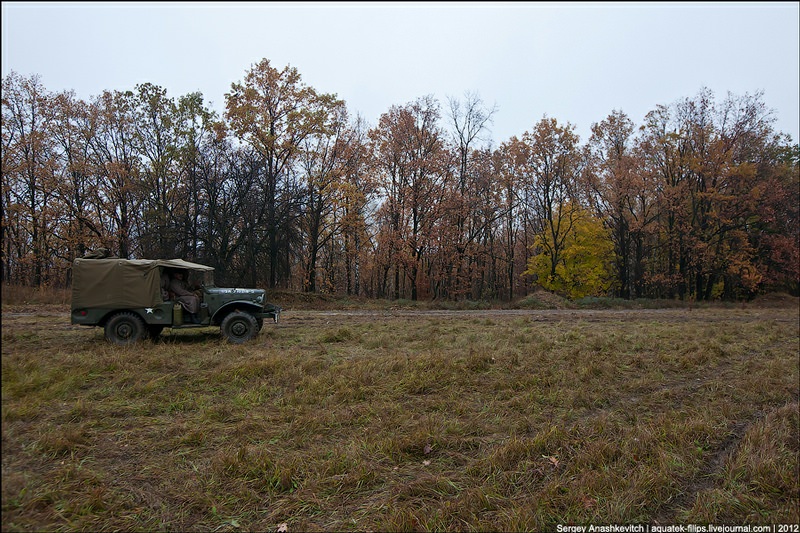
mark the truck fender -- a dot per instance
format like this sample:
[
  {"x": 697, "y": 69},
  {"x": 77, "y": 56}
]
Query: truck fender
[{"x": 239, "y": 305}]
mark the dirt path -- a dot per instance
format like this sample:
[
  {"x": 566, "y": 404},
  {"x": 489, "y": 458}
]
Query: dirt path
[
  {"x": 557, "y": 315},
  {"x": 57, "y": 317}
]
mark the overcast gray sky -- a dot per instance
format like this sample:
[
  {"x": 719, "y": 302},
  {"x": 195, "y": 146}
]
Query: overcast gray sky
[{"x": 575, "y": 62}]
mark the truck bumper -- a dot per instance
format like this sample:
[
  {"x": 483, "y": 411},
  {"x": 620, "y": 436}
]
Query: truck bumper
[{"x": 270, "y": 311}]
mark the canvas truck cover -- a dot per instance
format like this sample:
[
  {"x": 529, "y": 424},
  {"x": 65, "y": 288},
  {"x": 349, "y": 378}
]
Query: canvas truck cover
[{"x": 116, "y": 283}]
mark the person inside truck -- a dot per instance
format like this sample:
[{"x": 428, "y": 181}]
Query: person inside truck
[
  {"x": 179, "y": 286},
  {"x": 165, "y": 281}
]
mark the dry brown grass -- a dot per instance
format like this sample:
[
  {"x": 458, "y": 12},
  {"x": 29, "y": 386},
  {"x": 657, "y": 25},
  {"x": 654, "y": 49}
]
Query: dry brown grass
[{"x": 405, "y": 420}]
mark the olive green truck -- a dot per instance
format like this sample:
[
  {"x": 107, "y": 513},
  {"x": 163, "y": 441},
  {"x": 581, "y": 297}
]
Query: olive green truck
[{"x": 128, "y": 298}]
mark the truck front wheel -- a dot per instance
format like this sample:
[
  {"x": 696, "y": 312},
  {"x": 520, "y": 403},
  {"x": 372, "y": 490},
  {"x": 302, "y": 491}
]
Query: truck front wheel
[
  {"x": 239, "y": 327},
  {"x": 125, "y": 328}
]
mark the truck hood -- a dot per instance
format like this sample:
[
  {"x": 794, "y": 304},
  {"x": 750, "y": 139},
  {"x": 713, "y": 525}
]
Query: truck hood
[{"x": 245, "y": 294}]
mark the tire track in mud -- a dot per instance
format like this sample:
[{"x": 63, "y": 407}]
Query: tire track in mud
[{"x": 704, "y": 479}]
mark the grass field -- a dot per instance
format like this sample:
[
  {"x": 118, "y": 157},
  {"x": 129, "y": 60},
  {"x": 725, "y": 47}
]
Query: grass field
[{"x": 405, "y": 420}]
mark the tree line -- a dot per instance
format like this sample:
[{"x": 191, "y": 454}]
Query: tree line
[{"x": 289, "y": 190}]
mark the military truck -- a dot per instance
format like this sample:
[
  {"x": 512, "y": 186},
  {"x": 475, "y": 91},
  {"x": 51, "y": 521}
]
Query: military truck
[{"x": 125, "y": 297}]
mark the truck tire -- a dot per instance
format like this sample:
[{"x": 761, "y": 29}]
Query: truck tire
[
  {"x": 125, "y": 328},
  {"x": 239, "y": 327}
]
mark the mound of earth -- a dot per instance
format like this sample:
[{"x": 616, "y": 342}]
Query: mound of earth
[{"x": 776, "y": 299}]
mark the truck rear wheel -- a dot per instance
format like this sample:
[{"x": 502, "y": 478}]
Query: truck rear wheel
[
  {"x": 125, "y": 328},
  {"x": 239, "y": 327}
]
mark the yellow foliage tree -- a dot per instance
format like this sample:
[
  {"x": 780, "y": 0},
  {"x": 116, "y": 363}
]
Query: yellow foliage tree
[{"x": 585, "y": 266}]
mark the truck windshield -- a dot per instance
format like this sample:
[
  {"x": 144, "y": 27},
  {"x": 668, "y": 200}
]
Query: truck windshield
[{"x": 208, "y": 278}]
